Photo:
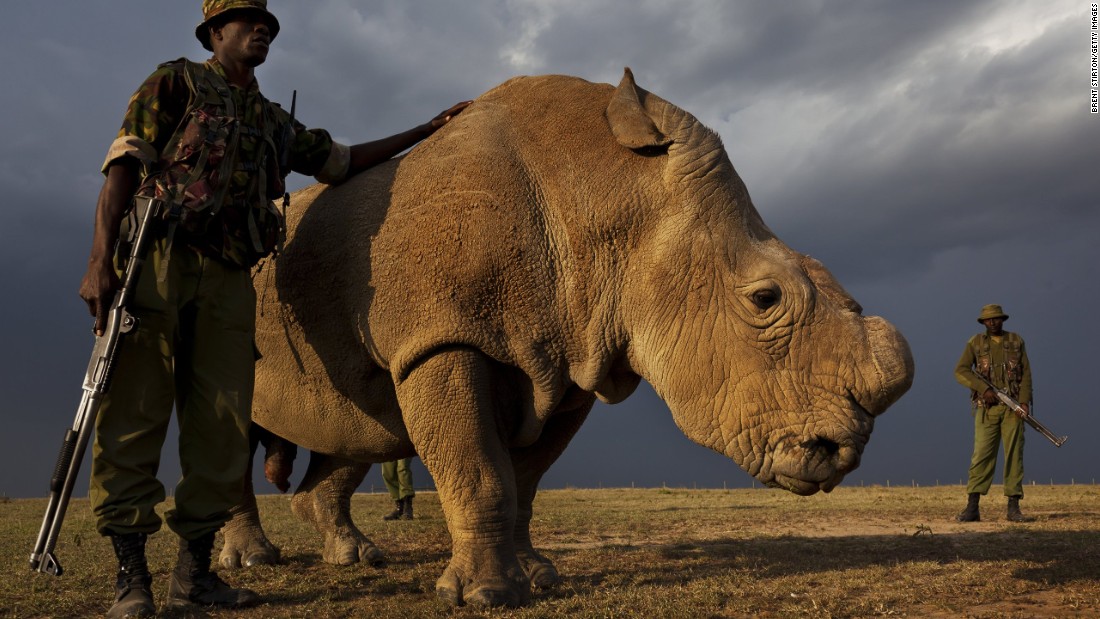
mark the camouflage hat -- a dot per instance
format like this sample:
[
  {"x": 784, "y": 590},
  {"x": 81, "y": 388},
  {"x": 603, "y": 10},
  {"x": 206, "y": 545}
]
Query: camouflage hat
[
  {"x": 213, "y": 8},
  {"x": 992, "y": 311}
]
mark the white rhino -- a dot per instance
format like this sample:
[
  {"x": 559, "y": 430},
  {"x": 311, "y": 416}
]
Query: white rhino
[{"x": 557, "y": 242}]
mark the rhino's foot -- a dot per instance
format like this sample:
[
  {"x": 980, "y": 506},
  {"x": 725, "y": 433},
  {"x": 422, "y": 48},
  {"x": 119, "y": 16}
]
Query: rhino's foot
[
  {"x": 242, "y": 549},
  {"x": 540, "y": 570},
  {"x": 349, "y": 546},
  {"x": 510, "y": 589},
  {"x": 345, "y": 544}
]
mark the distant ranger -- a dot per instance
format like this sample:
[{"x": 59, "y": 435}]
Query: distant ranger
[
  {"x": 399, "y": 481},
  {"x": 1001, "y": 358}
]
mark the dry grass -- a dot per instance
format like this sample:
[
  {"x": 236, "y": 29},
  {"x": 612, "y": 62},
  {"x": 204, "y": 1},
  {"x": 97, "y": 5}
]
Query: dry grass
[{"x": 858, "y": 552}]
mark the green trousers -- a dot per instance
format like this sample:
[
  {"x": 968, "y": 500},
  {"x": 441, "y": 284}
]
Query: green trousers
[
  {"x": 398, "y": 477},
  {"x": 193, "y": 349},
  {"x": 994, "y": 426}
]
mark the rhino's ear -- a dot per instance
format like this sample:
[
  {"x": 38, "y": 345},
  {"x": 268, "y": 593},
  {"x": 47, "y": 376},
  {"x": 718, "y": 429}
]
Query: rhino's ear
[{"x": 630, "y": 122}]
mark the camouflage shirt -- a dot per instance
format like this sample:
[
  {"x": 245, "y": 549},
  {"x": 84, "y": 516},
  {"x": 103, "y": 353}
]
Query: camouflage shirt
[{"x": 155, "y": 113}]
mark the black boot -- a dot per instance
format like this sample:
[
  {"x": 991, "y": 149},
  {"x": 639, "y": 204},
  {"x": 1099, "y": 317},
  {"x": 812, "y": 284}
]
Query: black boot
[
  {"x": 398, "y": 509},
  {"x": 133, "y": 590},
  {"x": 407, "y": 513},
  {"x": 192, "y": 581},
  {"x": 1014, "y": 513},
  {"x": 970, "y": 514}
]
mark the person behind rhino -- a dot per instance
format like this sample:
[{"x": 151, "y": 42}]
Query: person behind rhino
[
  {"x": 1000, "y": 357},
  {"x": 202, "y": 139},
  {"x": 399, "y": 481}
]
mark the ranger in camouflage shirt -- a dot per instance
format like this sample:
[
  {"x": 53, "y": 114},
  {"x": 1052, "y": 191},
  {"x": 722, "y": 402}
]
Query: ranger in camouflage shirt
[
  {"x": 201, "y": 138},
  {"x": 160, "y": 106}
]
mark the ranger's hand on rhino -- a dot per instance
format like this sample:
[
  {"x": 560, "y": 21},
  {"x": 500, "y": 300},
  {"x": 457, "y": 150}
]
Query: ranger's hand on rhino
[
  {"x": 369, "y": 154},
  {"x": 446, "y": 115},
  {"x": 557, "y": 242}
]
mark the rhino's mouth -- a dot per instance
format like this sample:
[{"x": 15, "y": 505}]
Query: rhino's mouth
[{"x": 808, "y": 463}]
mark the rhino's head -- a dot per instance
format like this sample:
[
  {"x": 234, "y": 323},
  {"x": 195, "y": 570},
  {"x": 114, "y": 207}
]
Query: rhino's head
[{"x": 757, "y": 350}]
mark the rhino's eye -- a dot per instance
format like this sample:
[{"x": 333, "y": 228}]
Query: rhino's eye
[{"x": 766, "y": 298}]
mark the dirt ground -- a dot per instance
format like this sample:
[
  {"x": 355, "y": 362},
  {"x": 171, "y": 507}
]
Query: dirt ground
[
  {"x": 1047, "y": 568},
  {"x": 657, "y": 552}
]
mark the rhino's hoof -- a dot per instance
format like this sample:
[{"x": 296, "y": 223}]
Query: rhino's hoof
[
  {"x": 261, "y": 558},
  {"x": 344, "y": 559},
  {"x": 344, "y": 552},
  {"x": 449, "y": 595},
  {"x": 374, "y": 556},
  {"x": 487, "y": 597},
  {"x": 234, "y": 559},
  {"x": 544, "y": 576}
]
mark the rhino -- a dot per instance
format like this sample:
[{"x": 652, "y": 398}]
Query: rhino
[{"x": 558, "y": 242}]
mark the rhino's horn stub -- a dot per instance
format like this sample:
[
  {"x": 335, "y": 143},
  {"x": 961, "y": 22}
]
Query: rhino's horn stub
[{"x": 630, "y": 122}]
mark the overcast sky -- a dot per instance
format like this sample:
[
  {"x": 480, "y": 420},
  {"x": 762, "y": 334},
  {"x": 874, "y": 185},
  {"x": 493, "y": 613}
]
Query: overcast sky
[{"x": 935, "y": 155}]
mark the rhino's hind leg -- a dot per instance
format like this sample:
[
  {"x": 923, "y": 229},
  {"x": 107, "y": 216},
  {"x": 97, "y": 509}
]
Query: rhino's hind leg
[
  {"x": 245, "y": 543},
  {"x": 530, "y": 463},
  {"x": 461, "y": 390},
  {"x": 323, "y": 499}
]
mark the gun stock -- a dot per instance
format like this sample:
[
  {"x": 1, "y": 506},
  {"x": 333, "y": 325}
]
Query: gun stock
[
  {"x": 97, "y": 380},
  {"x": 1026, "y": 415}
]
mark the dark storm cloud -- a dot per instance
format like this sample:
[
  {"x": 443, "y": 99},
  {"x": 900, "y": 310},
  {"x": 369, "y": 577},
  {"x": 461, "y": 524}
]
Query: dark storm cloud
[
  {"x": 936, "y": 156},
  {"x": 954, "y": 139}
]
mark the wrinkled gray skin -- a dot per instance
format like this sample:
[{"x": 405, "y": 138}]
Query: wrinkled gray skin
[{"x": 557, "y": 242}]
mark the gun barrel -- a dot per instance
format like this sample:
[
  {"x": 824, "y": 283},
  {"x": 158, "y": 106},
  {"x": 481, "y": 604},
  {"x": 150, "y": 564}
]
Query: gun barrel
[
  {"x": 61, "y": 485},
  {"x": 1034, "y": 423}
]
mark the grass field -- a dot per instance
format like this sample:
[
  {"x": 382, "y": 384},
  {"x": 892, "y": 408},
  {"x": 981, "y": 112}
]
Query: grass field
[{"x": 857, "y": 552}]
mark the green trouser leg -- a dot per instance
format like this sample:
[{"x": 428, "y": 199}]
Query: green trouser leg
[
  {"x": 1012, "y": 437},
  {"x": 398, "y": 477},
  {"x": 994, "y": 427},
  {"x": 193, "y": 348}
]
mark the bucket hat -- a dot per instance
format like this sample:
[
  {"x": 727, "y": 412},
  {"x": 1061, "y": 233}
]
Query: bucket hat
[
  {"x": 992, "y": 311},
  {"x": 214, "y": 8}
]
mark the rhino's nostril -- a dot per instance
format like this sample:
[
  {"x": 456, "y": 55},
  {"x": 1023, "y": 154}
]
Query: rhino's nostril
[{"x": 824, "y": 445}]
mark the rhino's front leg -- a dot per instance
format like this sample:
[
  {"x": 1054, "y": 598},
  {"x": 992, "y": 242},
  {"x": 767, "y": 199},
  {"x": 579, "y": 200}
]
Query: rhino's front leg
[
  {"x": 450, "y": 403},
  {"x": 323, "y": 499},
  {"x": 529, "y": 464}
]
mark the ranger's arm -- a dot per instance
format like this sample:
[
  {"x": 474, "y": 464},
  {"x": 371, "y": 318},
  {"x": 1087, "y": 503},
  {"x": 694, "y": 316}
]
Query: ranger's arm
[
  {"x": 369, "y": 154},
  {"x": 100, "y": 281}
]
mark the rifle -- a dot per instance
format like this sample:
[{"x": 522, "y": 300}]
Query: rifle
[
  {"x": 97, "y": 381},
  {"x": 1031, "y": 421}
]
